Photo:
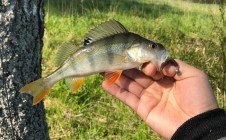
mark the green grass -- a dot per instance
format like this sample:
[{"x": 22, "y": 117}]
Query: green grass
[{"x": 192, "y": 32}]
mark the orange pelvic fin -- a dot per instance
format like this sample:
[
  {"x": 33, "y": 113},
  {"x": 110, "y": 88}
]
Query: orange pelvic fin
[{"x": 112, "y": 77}]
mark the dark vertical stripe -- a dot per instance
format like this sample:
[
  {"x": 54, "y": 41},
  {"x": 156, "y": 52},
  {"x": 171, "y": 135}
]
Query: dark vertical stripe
[
  {"x": 91, "y": 59},
  {"x": 74, "y": 67},
  {"x": 127, "y": 39},
  {"x": 110, "y": 50}
]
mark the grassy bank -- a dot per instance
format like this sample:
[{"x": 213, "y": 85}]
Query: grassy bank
[{"x": 192, "y": 32}]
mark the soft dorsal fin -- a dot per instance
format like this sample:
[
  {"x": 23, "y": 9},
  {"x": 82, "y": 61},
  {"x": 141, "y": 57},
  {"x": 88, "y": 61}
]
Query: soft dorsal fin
[
  {"x": 65, "y": 51},
  {"x": 105, "y": 29}
]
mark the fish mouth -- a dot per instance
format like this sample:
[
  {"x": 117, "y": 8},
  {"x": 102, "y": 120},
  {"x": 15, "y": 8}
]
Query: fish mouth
[{"x": 163, "y": 56}]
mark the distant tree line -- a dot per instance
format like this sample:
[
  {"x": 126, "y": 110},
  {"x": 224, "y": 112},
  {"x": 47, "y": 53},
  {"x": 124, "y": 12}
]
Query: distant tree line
[{"x": 208, "y": 1}]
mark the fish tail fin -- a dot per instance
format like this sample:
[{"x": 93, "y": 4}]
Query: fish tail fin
[{"x": 38, "y": 89}]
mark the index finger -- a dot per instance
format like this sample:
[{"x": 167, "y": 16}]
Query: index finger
[{"x": 186, "y": 71}]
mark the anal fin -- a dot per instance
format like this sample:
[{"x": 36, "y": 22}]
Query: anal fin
[{"x": 74, "y": 83}]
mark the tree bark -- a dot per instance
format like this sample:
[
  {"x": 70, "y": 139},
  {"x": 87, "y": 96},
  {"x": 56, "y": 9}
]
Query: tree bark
[{"x": 21, "y": 32}]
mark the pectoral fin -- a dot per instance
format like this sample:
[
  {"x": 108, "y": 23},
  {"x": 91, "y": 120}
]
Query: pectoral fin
[{"x": 112, "y": 77}]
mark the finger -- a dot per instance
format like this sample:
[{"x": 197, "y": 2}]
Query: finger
[
  {"x": 138, "y": 76},
  {"x": 185, "y": 71},
  {"x": 130, "y": 85},
  {"x": 123, "y": 95},
  {"x": 150, "y": 70}
]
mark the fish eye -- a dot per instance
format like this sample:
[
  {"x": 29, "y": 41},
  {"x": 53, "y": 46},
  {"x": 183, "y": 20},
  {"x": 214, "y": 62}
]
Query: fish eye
[{"x": 153, "y": 46}]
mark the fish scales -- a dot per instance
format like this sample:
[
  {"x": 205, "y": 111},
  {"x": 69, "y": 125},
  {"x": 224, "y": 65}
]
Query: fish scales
[
  {"x": 110, "y": 48},
  {"x": 97, "y": 51}
]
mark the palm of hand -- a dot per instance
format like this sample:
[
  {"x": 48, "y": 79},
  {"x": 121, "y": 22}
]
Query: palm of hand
[{"x": 165, "y": 103}]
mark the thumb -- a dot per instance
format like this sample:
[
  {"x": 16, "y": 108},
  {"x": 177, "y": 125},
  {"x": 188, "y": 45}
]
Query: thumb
[{"x": 185, "y": 71}]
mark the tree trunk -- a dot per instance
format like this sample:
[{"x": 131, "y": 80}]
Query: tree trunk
[{"x": 21, "y": 32}]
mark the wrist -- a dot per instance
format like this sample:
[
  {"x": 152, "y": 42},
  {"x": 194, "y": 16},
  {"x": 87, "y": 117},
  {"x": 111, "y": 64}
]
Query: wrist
[{"x": 210, "y": 124}]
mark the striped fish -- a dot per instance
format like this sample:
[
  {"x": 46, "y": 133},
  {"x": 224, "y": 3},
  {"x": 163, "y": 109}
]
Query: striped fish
[{"x": 109, "y": 48}]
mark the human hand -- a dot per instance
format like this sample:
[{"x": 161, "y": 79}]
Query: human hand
[{"x": 164, "y": 102}]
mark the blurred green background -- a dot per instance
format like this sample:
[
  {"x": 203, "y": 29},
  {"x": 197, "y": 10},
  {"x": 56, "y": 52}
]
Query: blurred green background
[{"x": 193, "y": 31}]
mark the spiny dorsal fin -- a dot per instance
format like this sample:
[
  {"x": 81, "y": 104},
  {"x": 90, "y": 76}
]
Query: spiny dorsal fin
[
  {"x": 105, "y": 29},
  {"x": 65, "y": 51}
]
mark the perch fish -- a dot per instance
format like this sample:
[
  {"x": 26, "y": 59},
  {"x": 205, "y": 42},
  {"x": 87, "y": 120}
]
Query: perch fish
[{"x": 109, "y": 48}]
